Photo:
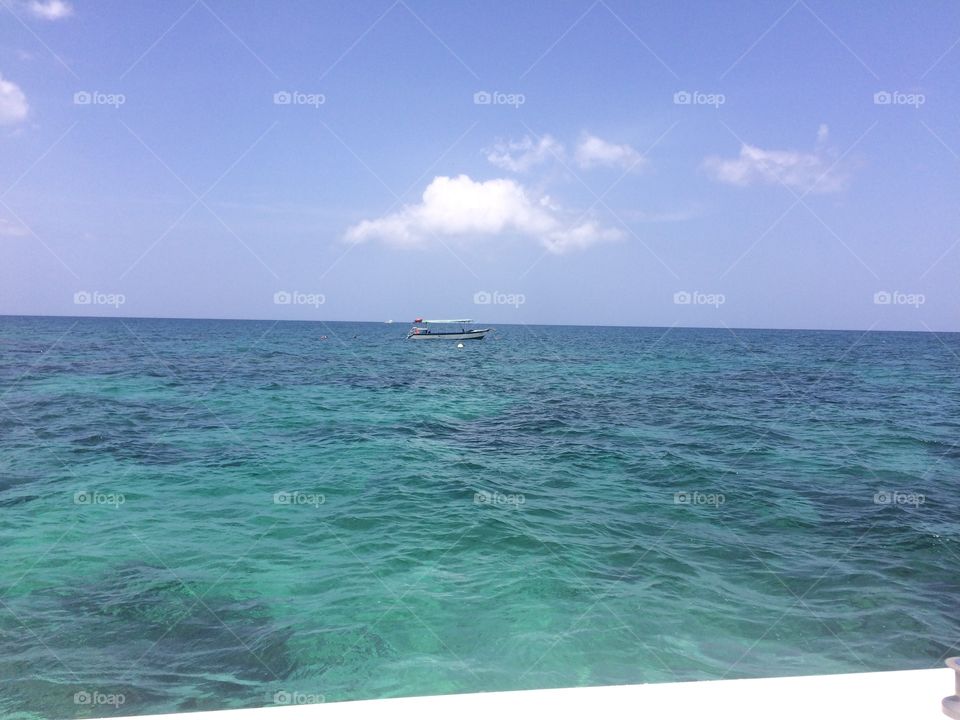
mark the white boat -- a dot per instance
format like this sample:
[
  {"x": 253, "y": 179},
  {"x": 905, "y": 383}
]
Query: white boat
[{"x": 422, "y": 331}]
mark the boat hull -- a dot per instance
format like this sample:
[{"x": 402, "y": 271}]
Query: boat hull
[{"x": 468, "y": 335}]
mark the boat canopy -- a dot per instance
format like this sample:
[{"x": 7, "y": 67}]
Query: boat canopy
[{"x": 445, "y": 322}]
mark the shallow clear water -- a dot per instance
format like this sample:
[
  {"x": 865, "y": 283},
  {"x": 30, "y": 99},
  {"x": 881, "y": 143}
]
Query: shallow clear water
[{"x": 502, "y": 516}]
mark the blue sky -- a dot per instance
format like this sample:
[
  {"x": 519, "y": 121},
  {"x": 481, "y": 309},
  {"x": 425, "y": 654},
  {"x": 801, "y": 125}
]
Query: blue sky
[{"x": 767, "y": 164}]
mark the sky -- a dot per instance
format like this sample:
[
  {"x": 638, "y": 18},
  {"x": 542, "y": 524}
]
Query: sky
[{"x": 776, "y": 164}]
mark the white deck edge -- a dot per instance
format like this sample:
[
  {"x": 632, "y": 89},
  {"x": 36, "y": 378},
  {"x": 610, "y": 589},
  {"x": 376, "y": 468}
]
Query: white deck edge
[{"x": 900, "y": 695}]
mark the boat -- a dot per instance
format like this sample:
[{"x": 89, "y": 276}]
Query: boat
[{"x": 421, "y": 330}]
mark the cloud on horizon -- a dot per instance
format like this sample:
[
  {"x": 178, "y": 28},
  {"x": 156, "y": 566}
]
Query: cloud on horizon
[
  {"x": 466, "y": 208},
  {"x": 807, "y": 172}
]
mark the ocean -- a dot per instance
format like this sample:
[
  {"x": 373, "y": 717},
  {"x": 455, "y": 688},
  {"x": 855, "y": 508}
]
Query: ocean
[{"x": 206, "y": 514}]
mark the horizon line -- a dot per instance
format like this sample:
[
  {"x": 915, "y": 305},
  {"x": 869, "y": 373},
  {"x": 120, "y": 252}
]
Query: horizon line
[{"x": 402, "y": 322}]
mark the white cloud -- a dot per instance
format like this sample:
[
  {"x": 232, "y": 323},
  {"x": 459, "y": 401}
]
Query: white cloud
[
  {"x": 50, "y": 9},
  {"x": 12, "y": 229},
  {"x": 462, "y": 207},
  {"x": 521, "y": 156},
  {"x": 593, "y": 152},
  {"x": 13, "y": 103},
  {"x": 809, "y": 172},
  {"x": 578, "y": 237}
]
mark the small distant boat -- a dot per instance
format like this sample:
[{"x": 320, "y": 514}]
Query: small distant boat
[
  {"x": 388, "y": 322},
  {"x": 422, "y": 331}
]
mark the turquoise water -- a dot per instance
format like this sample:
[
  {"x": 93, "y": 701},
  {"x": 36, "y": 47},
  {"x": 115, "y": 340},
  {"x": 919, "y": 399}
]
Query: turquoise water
[{"x": 502, "y": 516}]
